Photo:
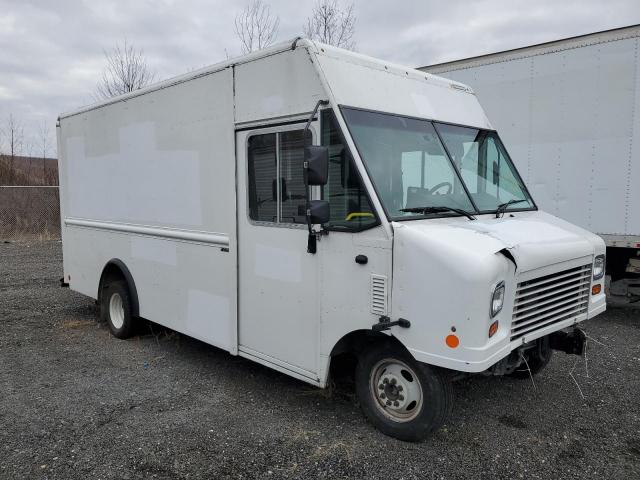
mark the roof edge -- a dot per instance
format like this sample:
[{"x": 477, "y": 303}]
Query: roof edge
[
  {"x": 548, "y": 44},
  {"x": 279, "y": 47}
]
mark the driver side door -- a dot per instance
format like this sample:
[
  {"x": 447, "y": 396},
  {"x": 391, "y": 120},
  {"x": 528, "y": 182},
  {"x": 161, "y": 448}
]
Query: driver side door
[{"x": 278, "y": 294}]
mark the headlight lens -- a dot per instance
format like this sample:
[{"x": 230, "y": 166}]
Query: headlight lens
[
  {"x": 497, "y": 299},
  {"x": 598, "y": 267}
]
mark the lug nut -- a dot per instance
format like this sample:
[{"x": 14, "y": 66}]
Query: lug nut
[
  {"x": 395, "y": 404},
  {"x": 400, "y": 388},
  {"x": 381, "y": 386},
  {"x": 388, "y": 402},
  {"x": 385, "y": 381},
  {"x": 382, "y": 395},
  {"x": 400, "y": 397},
  {"x": 393, "y": 381}
]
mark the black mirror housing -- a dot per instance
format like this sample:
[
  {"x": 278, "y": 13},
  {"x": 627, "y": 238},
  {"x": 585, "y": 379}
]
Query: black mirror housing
[
  {"x": 319, "y": 212},
  {"x": 316, "y": 164}
]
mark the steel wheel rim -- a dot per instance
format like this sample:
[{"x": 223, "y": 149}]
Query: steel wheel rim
[
  {"x": 396, "y": 390},
  {"x": 116, "y": 311}
]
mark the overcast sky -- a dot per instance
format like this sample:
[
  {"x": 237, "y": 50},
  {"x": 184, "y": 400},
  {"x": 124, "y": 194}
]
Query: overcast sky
[{"x": 51, "y": 51}]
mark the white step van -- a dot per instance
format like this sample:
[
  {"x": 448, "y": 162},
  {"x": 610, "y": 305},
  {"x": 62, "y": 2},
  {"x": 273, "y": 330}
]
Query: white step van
[{"x": 302, "y": 205}]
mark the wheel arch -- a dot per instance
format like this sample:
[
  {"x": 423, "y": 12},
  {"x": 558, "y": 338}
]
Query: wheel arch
[
  {"x": 356, "y": 341},
  {"x": 116, "y": 267}
]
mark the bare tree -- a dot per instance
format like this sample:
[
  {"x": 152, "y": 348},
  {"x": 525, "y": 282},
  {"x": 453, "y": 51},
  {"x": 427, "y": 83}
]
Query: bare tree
[
  {"x": 126, "y": 71},
  {"x": 45, "y": 144},
  {"x": 44, "y": 138},
  {"x": 256, "y": 26},
  {"x": 13, "y": 134},
  {"x": 332, "y": 24}
]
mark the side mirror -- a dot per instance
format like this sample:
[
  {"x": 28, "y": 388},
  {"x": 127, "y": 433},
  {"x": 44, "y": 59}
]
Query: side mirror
[
  {"x": 316, "y": 165},
  {"x": 319, "y": 212}
]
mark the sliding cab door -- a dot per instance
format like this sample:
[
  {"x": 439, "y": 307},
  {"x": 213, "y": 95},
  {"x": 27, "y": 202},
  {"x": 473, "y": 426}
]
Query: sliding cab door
[{"x": 278, "y": 316}]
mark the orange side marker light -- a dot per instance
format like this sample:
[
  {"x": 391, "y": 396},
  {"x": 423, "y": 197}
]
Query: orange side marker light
[
  {"x": 493, "y": 329},
  {"x": 596, "y": 289},
  {"x": 452, "y": 341}
]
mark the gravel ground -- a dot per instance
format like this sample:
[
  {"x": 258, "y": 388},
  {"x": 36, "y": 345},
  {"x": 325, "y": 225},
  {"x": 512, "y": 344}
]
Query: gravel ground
[{"x": 77, "y": 403}]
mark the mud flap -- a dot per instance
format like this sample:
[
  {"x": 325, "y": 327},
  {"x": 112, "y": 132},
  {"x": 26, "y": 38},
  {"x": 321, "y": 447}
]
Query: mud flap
[{"x": 571, "y": 343}]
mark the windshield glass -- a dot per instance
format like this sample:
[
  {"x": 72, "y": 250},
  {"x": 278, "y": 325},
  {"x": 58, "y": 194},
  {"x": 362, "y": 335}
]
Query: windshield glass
[
  {"x": 411, "y": 169},
  {"x": 407, "y": 163},
  {"x": 486, "y": 169}
]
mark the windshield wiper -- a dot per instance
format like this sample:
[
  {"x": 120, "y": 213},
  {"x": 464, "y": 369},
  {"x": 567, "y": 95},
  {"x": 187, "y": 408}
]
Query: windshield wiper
[
  {"x": 503, "y": 206},
  {"x": 425, "y": 210}
]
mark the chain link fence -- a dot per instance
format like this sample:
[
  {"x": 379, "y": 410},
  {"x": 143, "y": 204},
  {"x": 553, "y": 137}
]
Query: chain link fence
[{"x": 29, "y": 212}]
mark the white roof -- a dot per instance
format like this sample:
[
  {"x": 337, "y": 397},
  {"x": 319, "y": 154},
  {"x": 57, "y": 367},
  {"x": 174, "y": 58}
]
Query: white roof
[
  {"x": 364, "y": 82},
  {"x": 359, "y": 81}
]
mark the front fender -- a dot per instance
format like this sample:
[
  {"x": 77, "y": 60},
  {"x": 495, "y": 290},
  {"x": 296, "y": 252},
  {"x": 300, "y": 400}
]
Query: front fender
[{"x": 443, "y": 289}]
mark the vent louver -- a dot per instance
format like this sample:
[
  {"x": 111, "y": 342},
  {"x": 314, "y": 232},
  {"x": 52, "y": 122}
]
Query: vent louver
[{"x": 379, "y": 294}]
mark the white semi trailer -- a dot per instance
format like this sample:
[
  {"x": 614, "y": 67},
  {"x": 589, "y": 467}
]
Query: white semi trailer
[
  {"x": 569, "y": 113},
  {"x": 305, "y": 204}
]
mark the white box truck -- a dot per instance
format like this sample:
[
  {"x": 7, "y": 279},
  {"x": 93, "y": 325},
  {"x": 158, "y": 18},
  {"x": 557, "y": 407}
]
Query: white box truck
[
  {"x": 569, "y": 113},
  {"x": 304, "y": 204}
]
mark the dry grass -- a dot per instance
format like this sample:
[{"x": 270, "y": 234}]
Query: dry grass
[{"x": 73, "y": 324}]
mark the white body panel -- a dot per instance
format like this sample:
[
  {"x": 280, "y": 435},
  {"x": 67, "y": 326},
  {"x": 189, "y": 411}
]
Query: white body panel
[
  {"x": 158, "y": 161},
  {"x": 158, "y": 180},
  {"x": 568, "y": 114},
  {"x": 375, "y": 86}
]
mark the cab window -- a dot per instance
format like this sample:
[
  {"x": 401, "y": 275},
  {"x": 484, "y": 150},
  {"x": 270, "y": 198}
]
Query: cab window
[
  {"x": 351, "y": 209},
  {"x": 276, "y": 184}
]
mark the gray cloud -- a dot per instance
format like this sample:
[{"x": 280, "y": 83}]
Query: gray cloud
[{"x": 51, "y": 52}]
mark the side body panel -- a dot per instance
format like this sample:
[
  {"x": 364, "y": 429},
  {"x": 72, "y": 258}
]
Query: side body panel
[
  {"x": 346, "y": 300},
  {"x": 151, "y": 181},
  {"x": 276, "y": 87}
]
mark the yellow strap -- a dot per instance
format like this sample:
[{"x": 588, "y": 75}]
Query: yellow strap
[{"x": 353, "y": 215}]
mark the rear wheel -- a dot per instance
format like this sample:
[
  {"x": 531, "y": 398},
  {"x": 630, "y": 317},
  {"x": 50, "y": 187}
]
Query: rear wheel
[
  {"x": 115, "y": 308},
  {"x": 401, "y": 397}
]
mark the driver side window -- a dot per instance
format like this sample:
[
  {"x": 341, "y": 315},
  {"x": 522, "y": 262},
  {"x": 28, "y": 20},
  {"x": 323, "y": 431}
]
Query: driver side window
[{"x": 350, "y": 207}]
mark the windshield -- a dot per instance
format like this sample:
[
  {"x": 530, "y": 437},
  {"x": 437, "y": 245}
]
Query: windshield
[{"x": 411, "y": 168}]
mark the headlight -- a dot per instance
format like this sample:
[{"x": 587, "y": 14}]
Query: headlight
[
  {"x": 497, "y": 299},
  {"x": 598, "y": 267}
]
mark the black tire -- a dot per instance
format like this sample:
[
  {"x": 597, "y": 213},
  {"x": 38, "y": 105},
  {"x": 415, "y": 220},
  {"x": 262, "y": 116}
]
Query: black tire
[
  {"x": 435, "y": 388},
  {"x": 120, "y": 327},
  {"x": 537, "y": 358}
]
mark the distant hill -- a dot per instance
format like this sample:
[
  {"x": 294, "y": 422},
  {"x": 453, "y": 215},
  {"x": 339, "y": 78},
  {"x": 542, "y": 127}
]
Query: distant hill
[{"x": 28, "y": 170}]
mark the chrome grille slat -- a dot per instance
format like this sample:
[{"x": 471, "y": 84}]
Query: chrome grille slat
[
  {"x": 546, "y": 279},
  {"x": 546, "y": 308},
  {"x": 559, "y": 318},
  {"x": 519, "y": 302},
  {"x": 546, "y": 301},
  {"x": 542, "y": 318},
  {"x": 520, "y": 293},
  {"x": 550, "y": 299}
]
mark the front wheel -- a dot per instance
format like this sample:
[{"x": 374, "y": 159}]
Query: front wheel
[{"x": 401, "y": 397}]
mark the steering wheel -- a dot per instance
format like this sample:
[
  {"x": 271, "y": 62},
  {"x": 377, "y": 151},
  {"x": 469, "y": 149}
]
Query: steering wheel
[{"x": 442, "y": 185}]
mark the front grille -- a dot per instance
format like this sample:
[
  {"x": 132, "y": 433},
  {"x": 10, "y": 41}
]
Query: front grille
[{"x": 550, "y": 299}]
